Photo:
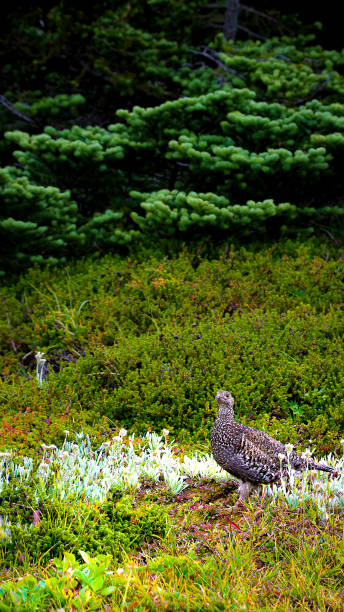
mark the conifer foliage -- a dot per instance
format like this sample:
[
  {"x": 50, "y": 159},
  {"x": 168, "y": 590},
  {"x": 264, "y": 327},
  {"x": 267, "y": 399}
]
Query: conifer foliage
[{"x": 253, "y": 141}]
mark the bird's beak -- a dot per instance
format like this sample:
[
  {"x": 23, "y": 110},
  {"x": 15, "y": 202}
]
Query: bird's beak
[{"x": 217, "y": 396}]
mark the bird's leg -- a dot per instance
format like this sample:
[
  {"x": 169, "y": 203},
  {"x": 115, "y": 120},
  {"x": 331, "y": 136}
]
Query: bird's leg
[{"x": 244, "y": 490}]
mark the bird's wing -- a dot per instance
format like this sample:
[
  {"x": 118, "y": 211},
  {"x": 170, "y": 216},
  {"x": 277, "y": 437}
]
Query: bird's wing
[
  {"x": 265, "y": 442},
  {"x": 249, "y": 462},
  {"x": 262, "y": 465}
]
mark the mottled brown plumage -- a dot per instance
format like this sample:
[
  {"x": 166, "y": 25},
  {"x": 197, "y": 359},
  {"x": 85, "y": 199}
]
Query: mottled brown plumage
[{"x": 251, "y": 455}]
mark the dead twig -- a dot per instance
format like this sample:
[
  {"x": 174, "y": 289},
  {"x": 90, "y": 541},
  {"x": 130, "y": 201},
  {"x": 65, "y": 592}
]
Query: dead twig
[
  {"x": 7, "y": 104},
  {"x": 213, "y": 56},
  {"x": 250, "y": 9},
  {"x": 314, "y": 92},
  {"x": 248, "y": 31}
]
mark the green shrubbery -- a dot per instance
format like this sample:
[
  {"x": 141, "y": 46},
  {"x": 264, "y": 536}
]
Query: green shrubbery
[
  {"x": 252, "y": 154},
  {"x": 50, "y": 108},
  {"x": 288, "y": 70},
  {"x": 126, "y": 52},
  {"x": 147, "y": 344}
]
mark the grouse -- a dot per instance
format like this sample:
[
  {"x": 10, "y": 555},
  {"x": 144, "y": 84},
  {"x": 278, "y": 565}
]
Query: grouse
[{"x": 251, "y": 455}]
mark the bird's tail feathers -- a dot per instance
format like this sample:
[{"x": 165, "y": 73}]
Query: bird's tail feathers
[
  {"x": 311, "y": 465},
  {"x": 300, "y": 463}
]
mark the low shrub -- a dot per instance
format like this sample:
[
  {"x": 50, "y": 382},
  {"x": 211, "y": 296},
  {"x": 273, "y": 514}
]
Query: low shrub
[{"x": 146, "y": 342}]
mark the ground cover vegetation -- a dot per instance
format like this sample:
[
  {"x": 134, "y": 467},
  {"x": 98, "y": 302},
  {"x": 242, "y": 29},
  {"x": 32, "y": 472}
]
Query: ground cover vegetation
[
  {"x": 171, "y": 208},
  {"x": 142, "y": 343}
]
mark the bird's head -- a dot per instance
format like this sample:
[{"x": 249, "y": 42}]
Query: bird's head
[{"x": 225, "y": 402}]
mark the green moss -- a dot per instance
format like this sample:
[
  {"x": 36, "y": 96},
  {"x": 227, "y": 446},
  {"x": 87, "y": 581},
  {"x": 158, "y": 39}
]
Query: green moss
[{"x": 114, "y": 528}]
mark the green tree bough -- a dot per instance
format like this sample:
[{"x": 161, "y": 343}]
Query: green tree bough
[{"x": 255, "y": 144}]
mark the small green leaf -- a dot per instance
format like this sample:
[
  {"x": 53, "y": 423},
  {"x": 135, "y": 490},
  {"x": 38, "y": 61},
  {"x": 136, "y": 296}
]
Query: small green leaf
[{"x": 84, "y": 556}]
